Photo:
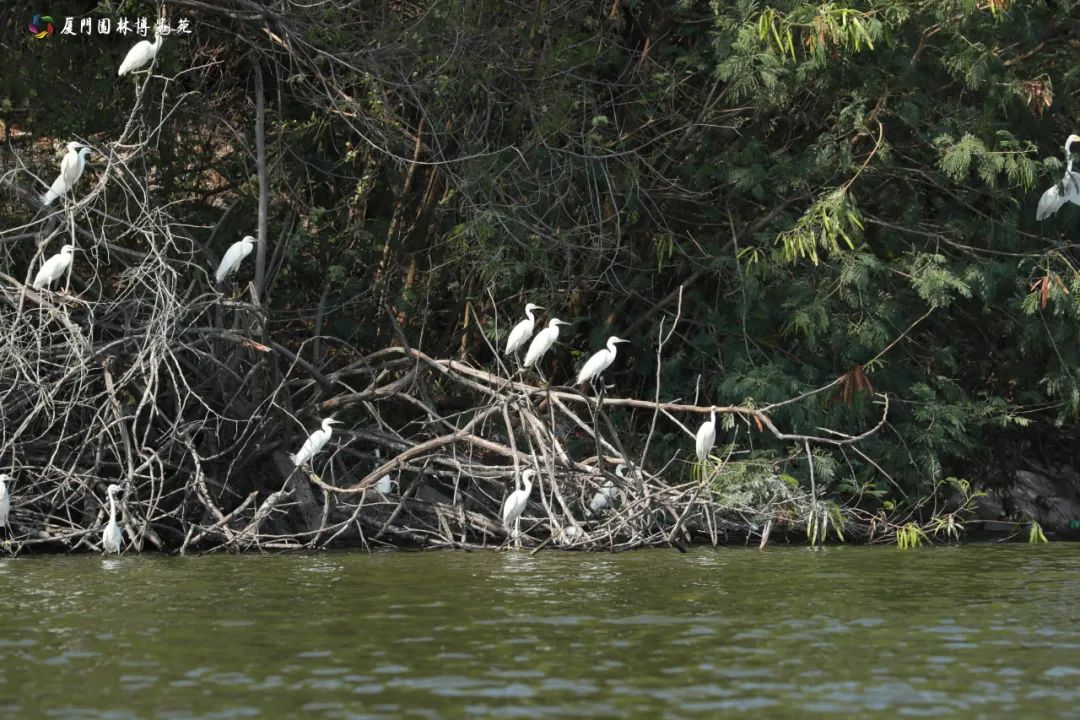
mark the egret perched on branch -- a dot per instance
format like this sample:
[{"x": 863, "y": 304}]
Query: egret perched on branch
[
  {"x": 5, "y": 499},
  {"x": 314, "y": 443},
  {"x": 608, "y": 492},
  {"x": 141, "y": 53},
  {"x": 523, "y": 330},
  {"x": 706, "y": 437},
  {"x": 543, "y": 342},
  {"x": 384, "y": 484},
  {"x": 71, "y": 169},
  {"x": 1067, "y": 190},
  {"x": 111, "y": 537},
  {"x": 54, "y": 268},
  {"x": 515, "y": 504},
  {"x": 599, "y": 362},
  {"x": 233, "y": 256}
]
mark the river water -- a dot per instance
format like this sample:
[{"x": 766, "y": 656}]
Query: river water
[{"x": 979, "y": 631}]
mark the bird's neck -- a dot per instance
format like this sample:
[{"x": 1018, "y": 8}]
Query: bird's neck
[
  {"x": 157, "y": 40},
  {"x": 112, "y": 508}
]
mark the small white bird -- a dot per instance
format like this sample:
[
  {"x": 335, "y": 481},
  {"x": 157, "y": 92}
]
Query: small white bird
[
  {"x": 384, "y": 484},
  {"x": 599, "y": 362},
  {"x": 543, "y": 342},
  {"x": 140, "y": 54},
  {"x": 515, "y": 503},
  {"x": 314, "y": 443},
  {"x": 111, "y": 539},
  {"x": 570, "y": 534},
  {"x": 71, "y": 169},
  {"x": 608, "y": 493},
  {"x": 706, "y": 437},
  {"x": 54, "y": 268},
  {"x": 233, "y": 256},
  {"x": 523, "y": 330},
  {"x": 5, "y": 499},
  {"x": 1067, "y": 190}
]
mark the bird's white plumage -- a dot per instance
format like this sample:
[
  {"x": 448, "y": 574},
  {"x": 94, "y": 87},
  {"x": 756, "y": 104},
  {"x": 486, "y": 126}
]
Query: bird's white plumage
[
  {"x": 233, "y": 257},
  {"x": 315, "y": 442},
  {"x": 1066, "y": 190},
  {"x": 543, "y": 342},
  {"x": 111, "y": 539},
  {"x": 515, "y": 504},
  {"x": 5, "y": 499},
  {"x": 71, "y": 169},
  {"x": 140, "y": 54},
  {"x": 523, "y": 330},
  {"x": 384, "y": 484},
  {"x": 706, "y": 437},
  {"x": 608, "y": 492},
  {"x": 600, "y": 361},
  {"x": 54, "y": 268}
]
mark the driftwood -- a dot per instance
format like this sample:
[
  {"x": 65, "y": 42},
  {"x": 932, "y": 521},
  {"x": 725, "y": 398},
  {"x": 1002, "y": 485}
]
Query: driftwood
[{"x": 136, "y": 370}]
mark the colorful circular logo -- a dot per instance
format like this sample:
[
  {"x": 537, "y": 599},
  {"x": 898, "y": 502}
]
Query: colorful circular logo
[{"x": 41, "y": 26}]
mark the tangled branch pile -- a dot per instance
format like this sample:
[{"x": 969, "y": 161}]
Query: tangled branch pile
[{"x": 814, "y": 235}]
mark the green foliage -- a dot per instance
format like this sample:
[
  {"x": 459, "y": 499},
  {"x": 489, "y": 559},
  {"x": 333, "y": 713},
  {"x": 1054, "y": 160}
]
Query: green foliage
[
  {"x": 1035, "y": 534},
  {"x": 910, "y": 535}
]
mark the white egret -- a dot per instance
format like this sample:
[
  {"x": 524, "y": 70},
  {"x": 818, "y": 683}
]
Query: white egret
[
  {"x": 515, "y": 504},
  {"x": 384, "y": 484},
  {"x": 608, "y": 493},
  {"x": 71, "y": 169},
  {"x": 570, "y": 534},
  {"x": 599, "y": 362},
  {"x": 543, "y": 342},
  {"x": 706, "y": 437},
  {"x": 523, "y": 330},
  {"x": 111, "y": 539},
  {"x": 5, "y": 499},
  {"x": 1067, "y": 190},
  {"x": 233, "y": 256},
  {"x": 140, "y": 54},
  {"x": 314, "y": 443},
  {"x": 54, "y": 268}
]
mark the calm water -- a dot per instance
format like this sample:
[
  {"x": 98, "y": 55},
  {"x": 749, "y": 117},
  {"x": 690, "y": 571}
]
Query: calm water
[{"x": 973, "y": 632}]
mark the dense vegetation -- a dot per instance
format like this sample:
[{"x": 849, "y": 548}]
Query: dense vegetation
[{"x": 845, "y": 193}]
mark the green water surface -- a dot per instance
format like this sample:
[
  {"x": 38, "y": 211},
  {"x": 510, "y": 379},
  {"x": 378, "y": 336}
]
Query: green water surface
[{"x": 979, "y": 631}]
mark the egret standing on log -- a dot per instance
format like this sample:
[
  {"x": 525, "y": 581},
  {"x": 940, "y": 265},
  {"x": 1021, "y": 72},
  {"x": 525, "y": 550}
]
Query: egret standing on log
[
  {"x": 314, "y": 443},
  {"x": 608, "y": 492},
  {"x": 599, "y": 362},
  {"x": 71, "y": 169},
  {"x": 54, "y": 268},
  {"x": 384, "y": 484},
  {"x": 543, "y": 342},
  {"x": 141, "y": 53},
  {"x": 233, "y": 256},
  {"x": 1067, "y": 190},
  {"x": 5, "y": 499},
  {"x": 111, "y": 538},
  {"x": 706, "y": 437},
  {"x": 515, "y": 504},
  {"x": 522, "y": 331}
]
